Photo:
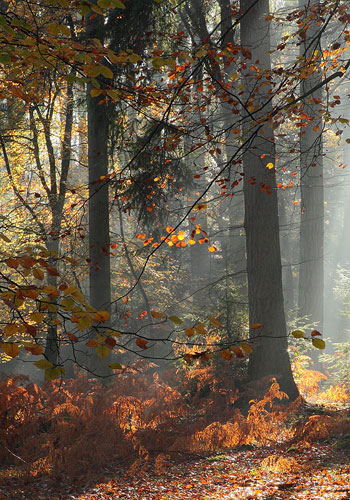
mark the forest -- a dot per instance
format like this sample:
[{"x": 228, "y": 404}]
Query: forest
[{"x": 175, "y": 249}]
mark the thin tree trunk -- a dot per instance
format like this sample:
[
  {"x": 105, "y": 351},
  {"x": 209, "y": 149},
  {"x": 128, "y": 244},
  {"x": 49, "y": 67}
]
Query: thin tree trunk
[{"x": 311, "y": 273}]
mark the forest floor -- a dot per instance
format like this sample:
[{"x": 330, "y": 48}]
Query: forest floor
[{"x": 317, "y": 471}]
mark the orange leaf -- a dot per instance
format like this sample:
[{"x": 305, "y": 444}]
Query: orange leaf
[
  {"x": 92, "y": 343},
  {"x": 226, "y": 355},
  {"x": 10, "y": 349},
  {"x": 34, "y": 349},
  {"x": 12, "y": 263},
  {"x": 255, "y": 326},
  {"x": 314, "y": 333},
  {"x": 141, "y": 343},
  {"x": 72, "y": 337}
]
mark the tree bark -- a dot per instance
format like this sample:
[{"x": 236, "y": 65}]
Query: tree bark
[
  {"x": 99, "y": 236},
  {"x": 311, "y": 273},
  {"x": 270, "y": 357}
]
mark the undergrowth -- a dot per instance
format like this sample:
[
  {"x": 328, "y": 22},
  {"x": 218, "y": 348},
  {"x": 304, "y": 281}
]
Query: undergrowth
[{"x": 78, "y": 426}]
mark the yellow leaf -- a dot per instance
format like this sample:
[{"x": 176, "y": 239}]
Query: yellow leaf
[
  {"x": 102, "y": 351},
  {"x": 95, "y": 92},
  {"x": 11, "y": 329},
  {"x": 43, "y": 364},
  {"x": 113, "y": 333},
  {"x": 54, "y": 373},
  {"x": 270, "y": 166},
  {"x": 114, "y": 94},
  {"x": 200, "y": 329},
  {"x": 115, "y": 366},
  {"x": 246, "y": 347},
  {"x": 37, "y": 317},
  {"x": 318, "y": 343},
  {"x": 157, "y": 315},
  {"x": 67, "y": 303},
  {"x": 298, "y": 334},
  {"x": 215, "y": 322},
  {"x": 10, "y": 349},
  {"x": 105, "y": 71},
  {"x": 212, "y": 249},
  {"x": 175, "y": 320},
  {"x": 84, "y": 322},
  {"x": 102, "y": 316}
]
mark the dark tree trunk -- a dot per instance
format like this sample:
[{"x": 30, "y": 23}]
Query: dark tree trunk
[
  {"x": 99, "y": 237},
  {"x": 270, "y": 357}
]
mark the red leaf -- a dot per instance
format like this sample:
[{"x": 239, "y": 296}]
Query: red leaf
[{"x": 141, "y": 343}]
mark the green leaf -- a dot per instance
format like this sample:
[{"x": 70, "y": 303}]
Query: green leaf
[
  {"x": 54, "y": 373},
  {"x": 318, "y": 343},
  {"x": 102, "y": 351},
  {"x": 118, "y": 4},
  {"x": 175, "y": 320},
  {"x": 115, "y": 366},
  {"x": 105, "y": 71},
  {"x": 43, "y": 364},
  {"x": 298, "y": 334}
]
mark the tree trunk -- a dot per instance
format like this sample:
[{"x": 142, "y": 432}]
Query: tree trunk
[
  {"x": 311, "y": 274},
  {"x": 99, "y": 237},
  {"x": 270, "y": 357}
]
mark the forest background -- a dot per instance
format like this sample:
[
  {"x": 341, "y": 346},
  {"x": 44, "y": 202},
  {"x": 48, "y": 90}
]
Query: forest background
[{"x": 174, "y": 225}]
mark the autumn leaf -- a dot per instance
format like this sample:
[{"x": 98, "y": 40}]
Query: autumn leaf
[
  {"x": 110, "y": 342},
  {"x": 226, "y": 355},
  {"x": 38, "y": 274},
  {"x": 189, "y": 332},
  {"x": 215, "y": 322},
  {"x": 157, "y": 315},
  {"x": 298, "y": 334},
  {"x": 314, "y": 333},
  {"x": 238, "y": 351},
  {"x": 175, "y": 320},
  {"x": 102, "y": 351},
  {"x": 201, "y": 329},
  {"x": 35, "y": 349},
  {"x": 142, "y": 343},
  {"x": 318, "y": 343},
  {"x": 72, "y": 337},
  {"x": 43, "y": 364},
  {"x": 101, "y": 316},
  {"x": 10, "y": 349},
  {"x": 54, "y": 373},
  {"x": 13, "y": 263},
  {"x": 36, "y": 317},
  {"x": 115, "y": 366},
  {"x": 246, "y": 347},
  {"x": 52, "y": 271},
  {"x": 11, "y": 329},
  {"x": 92, "y": 343},
  {"x": 255, "y": 326}
]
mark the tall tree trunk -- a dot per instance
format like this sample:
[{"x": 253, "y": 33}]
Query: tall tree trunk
[
  {"x": 99, "y": 236},
  {"x": 311, "y": 274},
  {"x": 270, "y": 357}
]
